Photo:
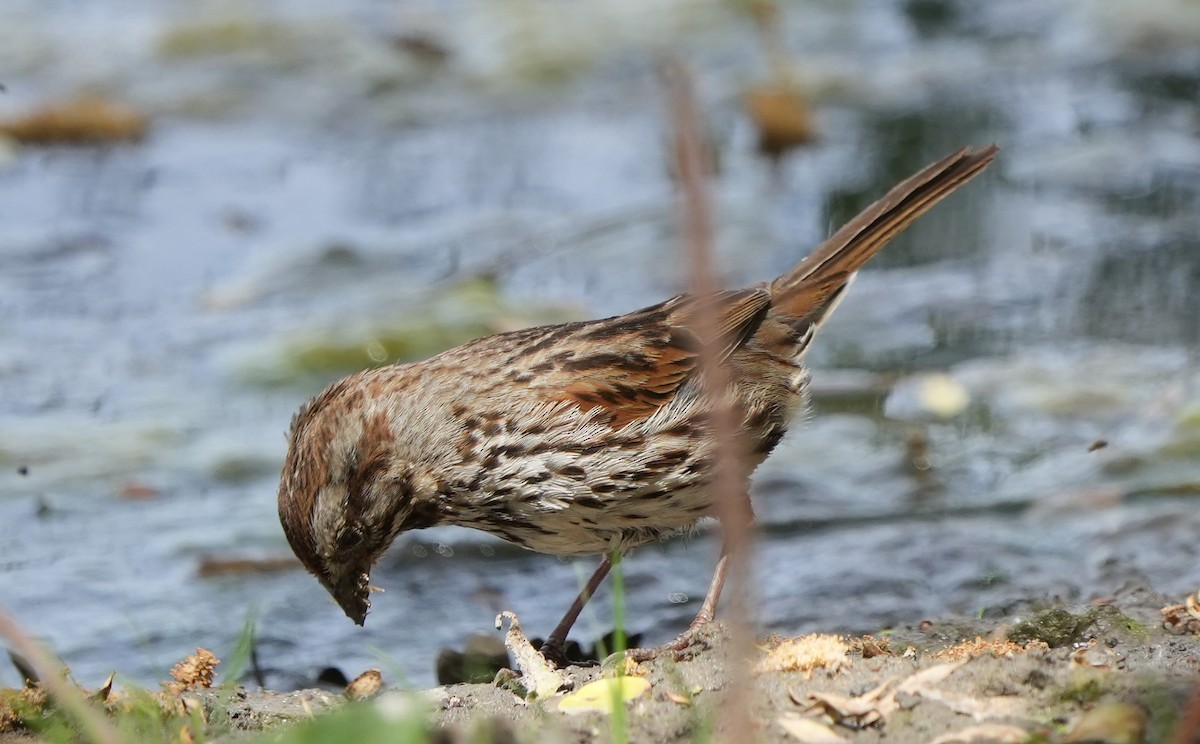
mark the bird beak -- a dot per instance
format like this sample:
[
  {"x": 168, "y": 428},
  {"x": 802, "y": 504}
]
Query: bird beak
[{"x": 352, "y": 593}]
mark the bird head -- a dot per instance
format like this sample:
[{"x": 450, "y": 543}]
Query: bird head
[{"x": 343, "y": 495}]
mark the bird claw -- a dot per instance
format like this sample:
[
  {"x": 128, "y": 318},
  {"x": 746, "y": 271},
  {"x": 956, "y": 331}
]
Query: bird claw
[{"x": 686, "y": 645}]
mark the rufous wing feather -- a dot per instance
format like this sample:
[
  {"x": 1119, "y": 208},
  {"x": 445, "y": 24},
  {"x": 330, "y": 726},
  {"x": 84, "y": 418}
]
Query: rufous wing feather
[{"x": 649, "y": 354}]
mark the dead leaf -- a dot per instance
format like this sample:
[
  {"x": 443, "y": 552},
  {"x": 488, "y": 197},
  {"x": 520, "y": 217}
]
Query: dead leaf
[
  {"x": 985, "y": 732},
  {"x": 809, "y": 731},
  {"x": 1178, "y": 620},
  {"x": 924, "y": 684},
  {"x": 853, "y": 712},
  {"x": 928, "y": 677},
  {"x": 879, "y": 703},
  {"x": 981, "y": 709},
  {"x": 1193, "y": 605},
  {"x": 870, "y": 646},
  {"x": 599, "y": 695}
]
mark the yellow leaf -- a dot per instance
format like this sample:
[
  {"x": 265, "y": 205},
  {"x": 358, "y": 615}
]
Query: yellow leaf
[{"x": 598, "y": 696}]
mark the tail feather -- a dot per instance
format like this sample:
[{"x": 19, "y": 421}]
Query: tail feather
[{"x": 809, "y": 291}]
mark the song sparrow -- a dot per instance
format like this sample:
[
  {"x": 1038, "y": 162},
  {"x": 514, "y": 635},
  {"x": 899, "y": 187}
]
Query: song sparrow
[{"x": 570, "y": 439}]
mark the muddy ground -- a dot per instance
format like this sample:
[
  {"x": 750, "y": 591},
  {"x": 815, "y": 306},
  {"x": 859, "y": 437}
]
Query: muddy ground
[
  {"x": 1123, "y": 669},
  {"x": 1109, "y": 670}
]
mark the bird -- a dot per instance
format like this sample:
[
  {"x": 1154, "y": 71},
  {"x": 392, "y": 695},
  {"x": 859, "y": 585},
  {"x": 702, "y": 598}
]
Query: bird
[{"x": 581, "y": 438}]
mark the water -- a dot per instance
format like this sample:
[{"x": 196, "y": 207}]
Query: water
[{"x": 307, "y": 184}]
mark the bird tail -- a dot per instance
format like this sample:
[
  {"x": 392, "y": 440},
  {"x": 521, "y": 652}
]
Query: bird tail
[{"x": 813, "y": 287}]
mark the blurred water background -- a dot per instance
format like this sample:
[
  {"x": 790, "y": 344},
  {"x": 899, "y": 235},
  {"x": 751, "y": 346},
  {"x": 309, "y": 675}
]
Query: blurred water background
[{"x": 319, "y": 187}]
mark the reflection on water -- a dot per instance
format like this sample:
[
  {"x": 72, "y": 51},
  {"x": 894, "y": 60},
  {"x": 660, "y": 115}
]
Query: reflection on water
[{"x": 317, "y": 192}]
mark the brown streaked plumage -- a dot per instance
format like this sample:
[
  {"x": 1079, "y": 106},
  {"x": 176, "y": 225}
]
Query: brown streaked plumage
[{"x": 570, "y": 439}]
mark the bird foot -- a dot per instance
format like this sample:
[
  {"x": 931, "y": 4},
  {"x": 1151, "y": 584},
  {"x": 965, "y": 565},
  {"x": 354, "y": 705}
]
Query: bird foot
[
  {"x": 685, "y": 646},
  {"x": 555, "y": 653}
]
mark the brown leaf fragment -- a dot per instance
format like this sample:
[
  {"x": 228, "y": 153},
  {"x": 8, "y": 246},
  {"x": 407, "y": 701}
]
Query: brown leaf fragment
[
  {"x": 1179, "y": 621},
  {"x": 366, "y": 685},
  {"x": 211, "y": 566},
  {"x": 870, "y": 646},
  {"x": 851, "y": 711},
  {"x": 879, "y": 703},
  {"x": 782, "y": 116},
  {"x": 992, "y": 732},
  {"x": 809, "y": 731},
  {"x": 1193, "y": 605},
  {"x": 925, "y": 683},
  {"x": 78, "y": 121}
]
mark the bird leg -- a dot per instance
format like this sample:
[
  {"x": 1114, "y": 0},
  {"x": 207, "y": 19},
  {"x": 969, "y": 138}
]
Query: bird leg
[
  {"x": 708, "y": 611},
  {"x": 708, "y": 608},
  {"x": 554, "y": 649}
]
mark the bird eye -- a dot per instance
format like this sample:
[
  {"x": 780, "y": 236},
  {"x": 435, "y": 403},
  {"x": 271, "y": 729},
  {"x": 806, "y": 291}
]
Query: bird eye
[{"x": 349, "y": 539}]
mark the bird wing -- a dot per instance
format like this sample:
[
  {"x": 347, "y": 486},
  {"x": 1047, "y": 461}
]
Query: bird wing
[{"x": 632, "y": 365}]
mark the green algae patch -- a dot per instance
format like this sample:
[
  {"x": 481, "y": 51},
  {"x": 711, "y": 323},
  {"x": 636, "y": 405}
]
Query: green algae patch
[
  {"x": 1109, "y": 620},
  {"x": 470, "y": 310},
  {"x": 407, "y": 342},
  {"x": 1083, "y": 692},
  {"x": 227, "y": 36},
  {"x": 1055, "y": 627},
  {"x": 1184, "y": 442}
]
